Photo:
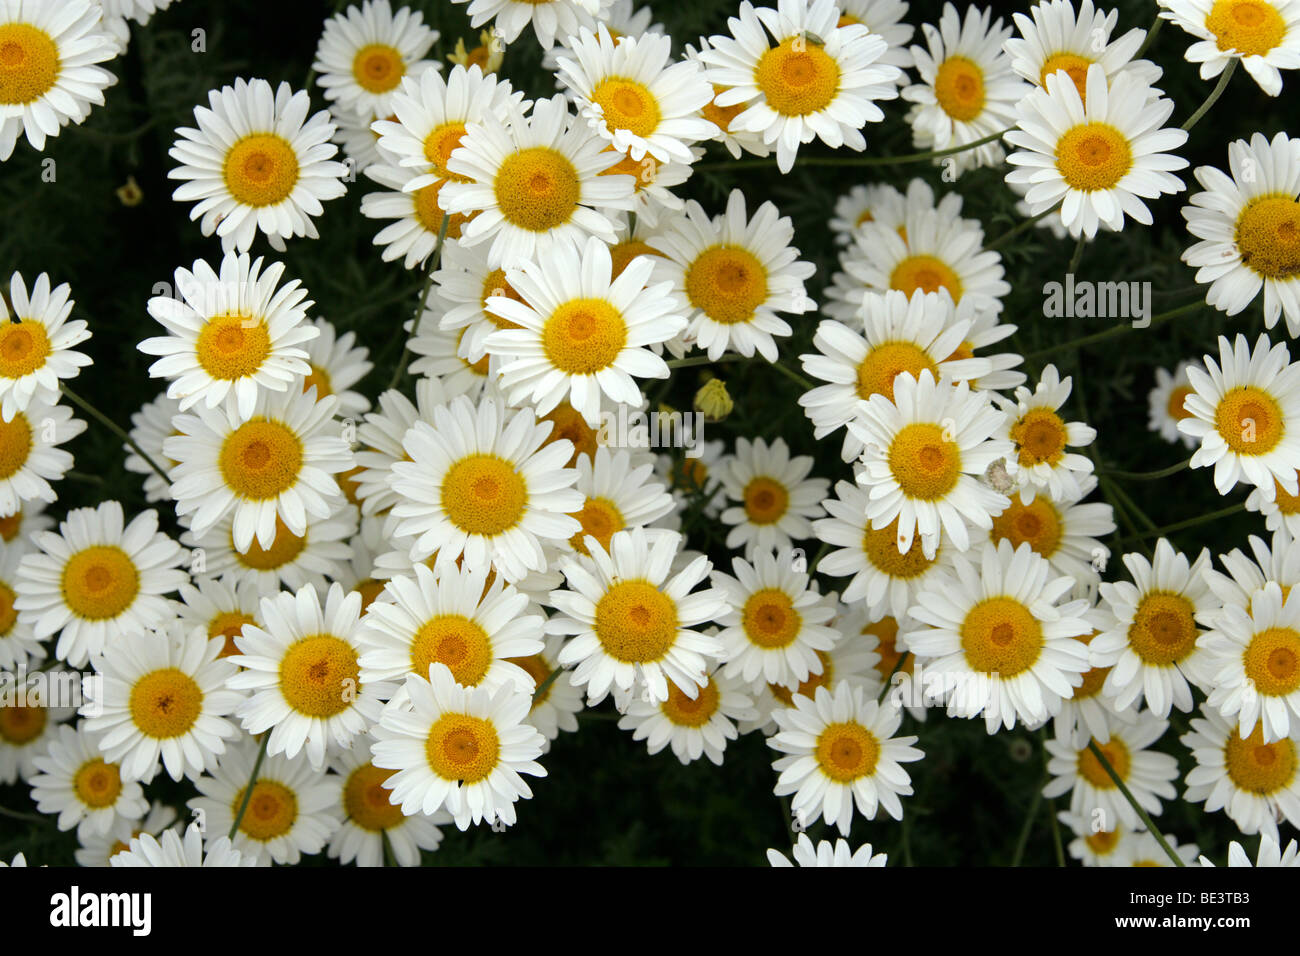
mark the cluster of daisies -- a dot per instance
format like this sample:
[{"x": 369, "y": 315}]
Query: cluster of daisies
[{"x": 376, "y": 616}]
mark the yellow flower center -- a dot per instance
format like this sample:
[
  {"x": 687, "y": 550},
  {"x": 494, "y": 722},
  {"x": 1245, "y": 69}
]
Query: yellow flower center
[
  {"x": 8, "y": 614},
  {"x": 627, "y": 105},
  {"x": 15, "y": 448},
  {"x": 601, "y": 519},
  {"x": 927, "y": 273},
  {"x": 272, "y": 810},
  {"x": 687, "y": 712},
  {"x": 726, "y": 283},
  {"x": 233, "y": 346},
  {"x": 10, "y": 524},
  {"x": 1268, "y": 236},
  {"x": 1093, "y": 156},
  {"x": 229, "y": 625},
  {"x": 880, "y": 545},
  {"x": 456, "y": 641},
  {"x": 495, "y": 284},
  {"x": 1163, "y": 631},
  {"x": 1249, "y": 420},
  {"x": 807, "y": 688},
  {"x": 537, "y": 189},
  {"x": 797, "y": 77},
  {"x": 261, "y": 459},
  {"x": 1103, "y": 842},
  {"x": 1037, "y": 522},
  {"x": 1175, "y": 406},
  {"x": 319, "y": 676},
  {"x": 847, "y": 751},
  {"x": 721, "y": 116},
  {"x": 1258, "y": 767},
  {"x": 766, "y": 500},
  {"x": 429, "y": 213},
  {"x": 1248, "y": 27},
  {"x": 283, "y": 550},
  {"x": 1288, "y": 504},
  {"x": 626, "y": 251},
  {"x": 378, "y": 68},
  {"x": 21, "y": 725},
  {"x": 29, "y": 63},
  {"x": 769, "y": 618},
  {"x": 24, "y": 347},
  {"x": 319, "y": 378},
  {"x": 884, "y": 363},
  {"x": 165, "y": 703},
  {"x": 924, "y": 462},
  {"x": 567, "y": 422},
  {"x": 583, "y": 336},
  {"x": 1074, "y": 65},
  {"x": 1272, "y": 661},
  {"x": 1000, "y": 636},
  {"x": 97, "y": 783},
  {"x": 483, "y": 494},
  {"x": 959, "y": 88},
  {"x": 366, "y": 799},
  {"x": 261, "y": 170},
  {"x": 1090, "y": 768},
  {"x": 1039, "y": 436},
  {"x": 461, "y": 747},
  {"x": 538, "y": 669},
  {"x": 100, "y": 582},
  {"x": 441, "y": 142},
  {"x": 636, "y": 622}
]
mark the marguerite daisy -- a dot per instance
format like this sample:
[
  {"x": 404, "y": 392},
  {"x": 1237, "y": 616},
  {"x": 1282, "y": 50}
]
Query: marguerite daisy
[
  {"x": 549, "y": 18},
  {"x": 221, "y": 606},
  {"x": 29, "y": 454},
  {"x": 775, "y": 498},
  {"x": 620, "y": 494},
  {"x": 171, "y": 850},
  {"x": 556, "y": 700},
  {"x": 1165, "y": 404},
  {"x": 826, "y": 853},
  {"x": 372, "y": 825},
  {"x": 336, "y": 363},
  {"x": 1040, "y": 437},
  {"x": 150, "y": 427},
  {"x": 87, "y": 791},
  {"x": 1263, "y": 34},
  {"x": 1066, "y": 531},
  {"x": 366, "y": 52},
  {"x": 692, "y": 726},
  {"x": 36, "y": 343}
]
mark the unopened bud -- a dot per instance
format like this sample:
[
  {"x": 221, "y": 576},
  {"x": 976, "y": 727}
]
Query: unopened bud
[{"x": 712, "y": 400}]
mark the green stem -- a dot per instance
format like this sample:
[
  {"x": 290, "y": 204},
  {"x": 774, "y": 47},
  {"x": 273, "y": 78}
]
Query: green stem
[
  {"x": 545, "y": 685},
  {"x": 898, "y": 666},
  {"x": 1184, "y": 525},
  {"x": 1151, "y": 35},
  {"x": 1023, "y": 840},
  {"x": 1214, "y": 94},
  {"x": 424, "y": 301},
  {"x": 862, "y": 160},
  {"x": 1077, "y": 257},
  {"x": 112, "y": 426},
  {"x": 1128, "y": 795},
  {"x": 793, "y": 376},
  {"x": 701, "y": 360},
  {"x": 1021, "y": 227},
  {"x": 1128, "y": 503},
  {"x": 1146, "y": 475},
  {"x": 1116, "y": 330},
  {"x": 389, "y": 859},
  {"x": 248, "y": 790}
]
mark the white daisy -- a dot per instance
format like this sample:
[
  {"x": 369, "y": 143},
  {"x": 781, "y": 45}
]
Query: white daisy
[
  {"x": 619, "y": 494},
  {"x": 18, "y": 641},
  {"x": 884, "y": 18},
  {"x": 36, "y": 343},
  {"x": 372, "y": 825},
  {"x": 556, "y": 700},
  {"x": 549, "y": 18},
  {"x": 1165, "y": 404},
  {"x": 693, "y": 727},
  {"x": 366, "y": 52},
  {"x": 1097, "y": 841},
  {"x": 29, "y": 454},
  {"x": 1066, "y": 531},
  {"x": 336, "y": 364},
  {"x": 98, "y": 849},
  {"x": 255, "y": 163},
  {"x": 29, "y": 722},
  {"x": 1270, "y": 854},
  {"x": 1040, "y": 437},
  {"x": 150, "y": 427},
  {"x": 380, "y": 435},
  {"x": 1263, "y": 34},
  {"x": 75, "y": 781},
  {"x": 171, "y": 850},
  {"x": 775, "y": 497},
  {"x": 826, "y": 853},
  {"x": 1145, "y": 850},
  {"x": 413, "y": 234}
]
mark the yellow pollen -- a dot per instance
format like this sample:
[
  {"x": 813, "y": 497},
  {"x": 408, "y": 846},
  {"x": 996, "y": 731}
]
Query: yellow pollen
[
  {"x": 727, "y": 283},
  {"x": 959, "y": 88},
  {"x": 807, "y": 688},
  {"x": 283, "y": 550},
  {"x": 797, "y": 77},
  {"x": 884, "y": 363},
  {"x": 366, "y": 799},
  {"x": 1268, "y": 236},
  {"x": 483, "y": 494},
  {"x": 456, "y": 641},
  {"x": 319, "y": 379},
  {"x": 1000, "y": 636},
  {"x": 378, "y": 68},
  {"x": 1039, "y": 436},
  {"x": 636, "y": 622},
  {"x": 29, "y": 63},
  {"x": 924, "y": 462},
  {"x": 926, "y": 273},
  {"x": 229, "y": 625},
  {"x": 1090, "y": 768},
  {"x": 19, "y": 726},
  {"x": 1037, "y": 522},
  {"x": 766, "y": 500},
  {"x": 721, "y": 116},
  {"x": 1163, "y": 631},
  {"x": 1248, "y": 27},
  {"x": 261, "y": 459},
  {"x": 165, "y": 703},
  {"x": 567, "y": 422},
  {"x": 8, "y": 613},
  {"x": 1093, "y": 156},
  {"x": 97, "y": 784},
  {"x": 233, "y": 346},
  {"x": 538, "y": 669},
  {"x": 15, "y": 448},
  {"x": 584, "y": 336},
  {"x": 24, "y": 347},
  {"x": 601, "y": 519},
  {"x": 1258, "y": 767},
  {"x": 1175, "y": 406},
  {"x": 627, "y": 104},
  {"x": 319, "y": 676},
  {"x": 880, "y": 545},
  {"x": 272, "y": 810},
  {"x": 537, "y": 189},
  {"x": 441, "y": 142},
  {"x": 1074, "y": 65},
  {"x": 1272, "y": 661},
  {"x": 461, "y": 747},
  {"x": 626, "y": 251},
  {"x": 495, "y": 284},
  {"x": 847, "y": 751},
  {"x": 1249, "y": 420},
  {"x": 770, "y": 619},
  {"x": 261, "y": 170},
  {"x": 100, "y": 582},
  {"x": 687, "y": 712}
]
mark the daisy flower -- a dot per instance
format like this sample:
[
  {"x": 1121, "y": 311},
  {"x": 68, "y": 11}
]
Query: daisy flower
[
  {"x": 1145, "y": 850},
  {"x": 236, "y": 333},
  {"x": 1151, "y": 642},
  {"x": 75, "y": 781},
  {"x": 581, "y": 334},
  {"x": 997, "y": 628},
  {"x": 1086, "y": 713},
  {"x": 841, "y": 752},
  {"x": 1165, "y": 404},
  {"x": 150, "y": 427},
  {"x": 29, "y": 454},
  {"x": 366, "y": 52},
  {"x": 549, "y": 19},
  {"x": 968, "y": 90},
  {"x": 633, "y": 97},
  {"x": 336, "y": 363},
  {"x": 467, "y": 619},
  {"x": 28, "y": 725},
  {"x": 692, "y": 726},
  {"x": 379, "y": 438},
  {"x": 1039, "y": 438},
  {"x": 874, "y": 202},
  {"x": 826, "y": 853},
  {"x": 1270, "y": 854},
  {"x": 304, "y": 671},
  {"x": 775, "y": 497},
  {"x": 1281, "y": 510},
  {"x": 1245, "y": 221},
  {"x": 924, "y": 452},
  {"x": 1097, "y": 842},
  {"x": 480, "y": 483},
  {"x": 619, "y": 495},
  {"x": 163, "y": 694},
  {"x": 1147, "y": 774},
  {"x": 884, "y": 18},
  {"x": 535, "y": 184},
  {"x": 556, "y": 708},
  {"x": 882, "y": 575},
  {"x": 1243, "y": 409},
  {"x": 293, "y": 808},
  {"x": 814, "y": 79},
  {"x": 98, "y": 580},
  {"x": 98, "y": 849},
  {"x": 171, "y": 850},
  {"x": 775, "y": 623},
  {"x": 736, "y": 273},
  {"x": 487, "y": 56},
  {"x": 1098, "y": 156},
  {"x": 50, "y": 76},
  {"x": 462, "y": 286},
  {"x": 371, "y": 821},
  {"x": 1256, "y": 783},
  {"x": 1066, "y": 531},
  {"x": 633, "y": 620},
  {"x": 442, "y": 360},
  {"x": 1277, "y": 561},
  {"x": 413, "y": 234},
  {"x": 18, "y": 641},
  {"x": 278, "y": 462},
  {"x": 255, "y": 163},
  {"x": 458, "y": 749},
  {"x": 1263, "y": 34},
  {"x": 36, "y": 343}
]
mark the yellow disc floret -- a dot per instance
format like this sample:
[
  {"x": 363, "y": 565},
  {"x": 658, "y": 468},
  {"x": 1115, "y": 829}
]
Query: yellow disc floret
[
  {"x": 1093, "y": 156},
  {"x": 29, "y": 63},
  {"x": 100, "y": 582},
  {"x": 166, "y": 703},
  {"x": 1249, "y": 420},
  {"x": 537, "y": 189},
  {"x": 727, "y": 284},
  {"x": 1268, "y": 237},
  {"x": 924, "y": 461},
  {"x": 456, "y": 641},
  {"x": 584, "y": 336},
  {"x": 233, "y": 346},
  {"x": 1000, "y": 636},
  {"x": 483, "y": 494},
  {"x": 959, "y": 88},
  {"x": 847, "y": 751},
  {"x": 24, "y": 347},
  {"x": 261, "y": 170},
  {"x": 797, "y": 77},
  {"x": 461, "y": 747},
  {"x": 636, "y": 622},
  {"x": 261, "y": 459},
  {"x": 319, "y": 675}
]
